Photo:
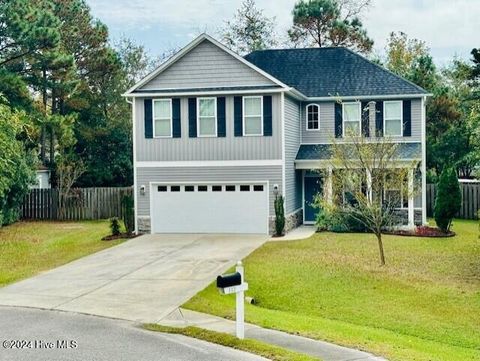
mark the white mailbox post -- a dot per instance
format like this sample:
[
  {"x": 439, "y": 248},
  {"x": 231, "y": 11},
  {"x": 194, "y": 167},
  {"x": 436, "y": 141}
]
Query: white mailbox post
[{"x": 234, "y": 283}]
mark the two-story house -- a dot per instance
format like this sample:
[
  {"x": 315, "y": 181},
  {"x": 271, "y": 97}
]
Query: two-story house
[{"x": 217, "y": 136}]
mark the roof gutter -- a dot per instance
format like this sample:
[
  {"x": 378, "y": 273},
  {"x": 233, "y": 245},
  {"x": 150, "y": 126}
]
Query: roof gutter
[
  {"x": 369, "y": 97},
  {"x": 205, "y": 92}
]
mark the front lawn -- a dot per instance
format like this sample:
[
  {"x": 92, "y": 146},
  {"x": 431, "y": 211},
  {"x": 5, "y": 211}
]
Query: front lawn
[
  {"x": 423, "y": 305},
  {"x": 27, "y": 248}
]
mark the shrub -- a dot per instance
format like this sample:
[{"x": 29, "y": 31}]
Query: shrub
[
  {"x": 128, "y": 213},
  {"x": 333, "y": 218},
  {"x": 115, "y": 226},
  {"x": 448, "y": 200},
  {"x": 17, "y": 163},
  {"x": 279, "y": 216}
]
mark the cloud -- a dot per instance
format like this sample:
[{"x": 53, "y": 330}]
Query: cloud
[{"x": 447, "y": 26}]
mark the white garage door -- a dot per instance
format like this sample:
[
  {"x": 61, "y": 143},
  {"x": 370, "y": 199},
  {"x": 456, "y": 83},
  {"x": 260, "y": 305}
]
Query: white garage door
[{"x": 209, "y": 208}]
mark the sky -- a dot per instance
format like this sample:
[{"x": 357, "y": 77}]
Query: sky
[{"x": 449, "y": 27}]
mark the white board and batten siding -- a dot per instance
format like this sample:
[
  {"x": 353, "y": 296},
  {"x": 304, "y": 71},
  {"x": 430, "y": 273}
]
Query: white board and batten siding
[{"x": 206, "y": 66}]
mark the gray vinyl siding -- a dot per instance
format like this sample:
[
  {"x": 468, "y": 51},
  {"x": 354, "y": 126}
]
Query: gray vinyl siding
[
  {"x": 293, "y": 186},
  {"x": 327, "y": 123},
  {"x": 206, "y": 66},
  {"x": 272, "y": 174},
  {"x": 227, "y": 148}
]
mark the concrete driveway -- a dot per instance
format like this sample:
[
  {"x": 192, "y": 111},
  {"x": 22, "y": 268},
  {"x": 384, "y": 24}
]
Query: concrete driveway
[{"x": 141, "y": 280}]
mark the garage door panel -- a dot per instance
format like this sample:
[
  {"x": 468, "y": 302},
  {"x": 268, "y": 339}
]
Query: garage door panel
[{"x": 210, "y": 212}]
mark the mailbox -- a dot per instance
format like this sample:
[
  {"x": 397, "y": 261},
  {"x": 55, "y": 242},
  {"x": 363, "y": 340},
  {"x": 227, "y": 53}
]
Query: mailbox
[{"x": 229, "y": 280}]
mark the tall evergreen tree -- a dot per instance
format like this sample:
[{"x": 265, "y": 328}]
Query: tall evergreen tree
[{"x": 322, "y": 23}]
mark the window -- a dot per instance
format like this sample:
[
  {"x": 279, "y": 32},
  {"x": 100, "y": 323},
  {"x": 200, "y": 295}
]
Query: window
[
  {"x": 393, "y": 118},
  {"x": 202, "y": 188},
  {"x": 351, "y": 118},
  {"x": 313, "y": 117},
  {"x": 244, "y": 188},
  {"x": 189, "y": 188},
  {"x": 175, "y": 189},
  {"x": 207, "y": 117},
  {"x": 216, "y": 188},
  {"x": 395, "y": 192},
  {"x": 162, "y": 118},
  {"x": 162, "y": 188},
  {"x": 253, "y": 115},
  {"x": 258, "y": 188},
  {"x": 230, "y": 188}
]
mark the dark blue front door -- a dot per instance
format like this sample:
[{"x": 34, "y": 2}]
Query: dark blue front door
[{"x": 312, "y": 186}]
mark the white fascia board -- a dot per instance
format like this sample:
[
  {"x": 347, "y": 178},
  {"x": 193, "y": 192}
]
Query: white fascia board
[
  {"x": 368, "y": 97},
  {"x": 324, "y": 163},
  {"x": 209, "y": 163},
  {"x": 189, "y": 47},
  {"x": 206, "y": 92}
]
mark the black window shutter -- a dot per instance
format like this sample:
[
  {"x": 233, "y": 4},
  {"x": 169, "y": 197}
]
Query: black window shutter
[
  {"x": 365, "y": 119},
  {"x": 221, "y": 123},
  {"x": 267, "y": 115},
  {"x": 338, "y": 120},
  {"x": 237, "y": 115},
  {"x": 176, "y": 120},
  {"x": 192, "y": 117},
  {"x": 148, "y": 118},
  {"x": 407, "y": 118},
  {"x": 379, "y": 119}
]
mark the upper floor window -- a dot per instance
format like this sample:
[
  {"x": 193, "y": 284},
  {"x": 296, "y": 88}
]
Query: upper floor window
[
  {"x": 162, "y": 118},
  {"x": 351, "y": 118},
  {"x": 253, "y": 115},
  {"x": 207, "y": 118},
  {"x": 393, "y": 118},
  {"x": 313, "y": 117}
]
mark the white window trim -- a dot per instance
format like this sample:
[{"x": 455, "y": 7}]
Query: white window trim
[
  {"x": 261, "y": 116},
  {"x": 401, "y": 117},
  {"x": 359, "y": 105},
  {"x": 198, "y": 118},
  {"x": 306, "y": 117},
  {"x": 171, "y": 118}
]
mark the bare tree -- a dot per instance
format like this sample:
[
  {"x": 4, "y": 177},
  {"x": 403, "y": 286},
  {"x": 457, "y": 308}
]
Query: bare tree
[
  {"x": 369, "y": 183},
  {"x": 249, "y": 30},
  {"x": 69, "y": 169}
]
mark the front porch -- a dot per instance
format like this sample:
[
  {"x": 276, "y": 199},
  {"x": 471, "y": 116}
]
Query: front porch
[{"x": 315, "y": 169}]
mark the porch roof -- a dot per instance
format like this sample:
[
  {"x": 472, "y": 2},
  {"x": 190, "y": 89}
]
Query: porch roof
[{"x": 323, "y": 152}]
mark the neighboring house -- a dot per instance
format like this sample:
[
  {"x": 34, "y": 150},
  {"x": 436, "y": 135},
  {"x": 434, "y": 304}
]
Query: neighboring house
[
  {"x": 216, "y": 135},
  {"x": 42, "y": 178}
]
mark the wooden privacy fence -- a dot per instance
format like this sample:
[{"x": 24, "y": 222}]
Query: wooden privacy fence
[
  {"x": 81, "y": 204},
  {"x": 470, "y": 200}
]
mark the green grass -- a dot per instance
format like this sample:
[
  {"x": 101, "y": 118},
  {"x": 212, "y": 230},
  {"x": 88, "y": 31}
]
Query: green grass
[
  {"x": 259, "y": 348},
  {"x": 423, "y": 305},
  {"x": 27, "y": 248}
]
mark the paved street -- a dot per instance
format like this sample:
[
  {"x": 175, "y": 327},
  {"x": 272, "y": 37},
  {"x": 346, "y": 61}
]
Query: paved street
[
  {"x": 99, "y": 339},
  {"x": 142, "y": 280}
]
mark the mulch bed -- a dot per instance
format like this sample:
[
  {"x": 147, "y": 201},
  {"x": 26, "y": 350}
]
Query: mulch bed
[
  {"x": 120, "y": 236},
  {"x": 423, "y": 231}
]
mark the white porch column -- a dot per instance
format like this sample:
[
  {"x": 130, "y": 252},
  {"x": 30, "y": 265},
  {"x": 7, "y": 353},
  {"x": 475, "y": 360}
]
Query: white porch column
[
  {"x": 369, "y": 186},
  {"x": 329, "y": 182},
  {"x": 411, "y": 212}
]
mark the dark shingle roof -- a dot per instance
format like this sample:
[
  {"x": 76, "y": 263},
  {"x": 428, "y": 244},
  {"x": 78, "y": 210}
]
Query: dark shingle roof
[
  {"x": 406, "y": 151},
  {"x": 337, "y": 71}
]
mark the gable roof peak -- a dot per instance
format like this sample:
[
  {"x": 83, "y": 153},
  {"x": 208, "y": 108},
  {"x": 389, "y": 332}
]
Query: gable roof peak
[{"x": 185, "y": 50}]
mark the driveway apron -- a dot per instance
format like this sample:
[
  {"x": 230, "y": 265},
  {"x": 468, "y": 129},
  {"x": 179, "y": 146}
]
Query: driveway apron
[{"x": 141, "y": 280}]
